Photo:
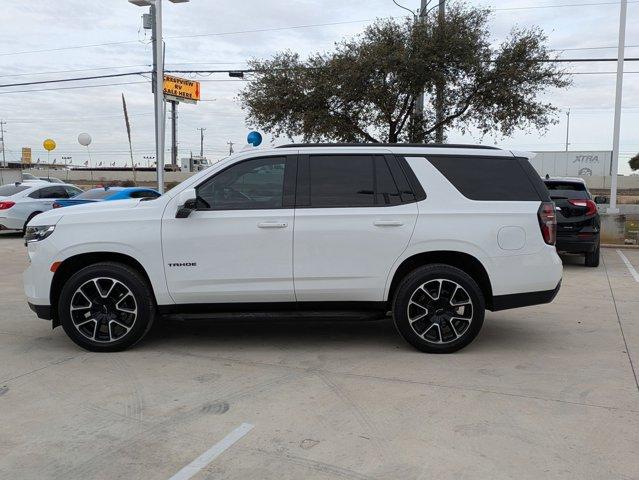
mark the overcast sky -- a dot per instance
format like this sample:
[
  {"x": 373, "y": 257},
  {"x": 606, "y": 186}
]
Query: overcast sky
[{"x": 224, "y": 41}]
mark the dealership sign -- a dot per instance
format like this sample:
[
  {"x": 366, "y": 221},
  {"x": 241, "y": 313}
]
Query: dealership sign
[{"x": 178, "y": 89}]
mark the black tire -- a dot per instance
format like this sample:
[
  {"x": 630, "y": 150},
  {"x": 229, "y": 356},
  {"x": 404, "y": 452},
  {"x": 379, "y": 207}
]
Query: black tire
[
  {"x": 110, "y": 316},
  {"x": 434, "y": 331},
  {"x": 24, "y": 227},
  {"x": 592, "y": 258}
]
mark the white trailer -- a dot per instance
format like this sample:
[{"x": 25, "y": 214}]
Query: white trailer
[{"x": 573, "y": 163}]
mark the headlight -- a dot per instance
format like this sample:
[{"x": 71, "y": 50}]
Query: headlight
[{"x": 35, "y": 234}]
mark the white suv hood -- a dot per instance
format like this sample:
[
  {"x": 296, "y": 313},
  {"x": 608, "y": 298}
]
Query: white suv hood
[{"x": 88, "y": 210}]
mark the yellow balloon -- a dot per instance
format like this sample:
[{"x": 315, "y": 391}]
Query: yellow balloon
[{"x": 48, "y": 145}]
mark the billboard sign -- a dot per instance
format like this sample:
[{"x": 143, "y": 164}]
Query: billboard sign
[
  {"x": 26, "y": 155},
  {"x": 181, "y": 89}
]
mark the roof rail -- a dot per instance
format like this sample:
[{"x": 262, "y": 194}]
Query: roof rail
[{"x": 412, "y": 145}]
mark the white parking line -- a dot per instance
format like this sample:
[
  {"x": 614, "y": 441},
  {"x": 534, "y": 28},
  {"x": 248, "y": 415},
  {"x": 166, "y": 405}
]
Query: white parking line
[
  {"x": 632, "y": 270},
  {"x": 212, "y": 453}
]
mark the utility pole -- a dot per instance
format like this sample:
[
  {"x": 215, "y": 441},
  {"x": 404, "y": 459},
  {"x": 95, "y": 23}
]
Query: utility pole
[
  {"x": 201, "y": 142},
  {"x": 439, "y": 87},
  {"x": 567, "y": 128},
  {"x": 418, "y": 109},
  {"x": 618, "y": 94},
  {"x": 174, "y": 119},
  {"x": 230, "y": 144},
  {"x": 2, "y": 124}
]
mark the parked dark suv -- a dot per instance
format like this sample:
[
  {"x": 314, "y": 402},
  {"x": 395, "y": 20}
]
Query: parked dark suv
[{"x": 578, "y": 223}]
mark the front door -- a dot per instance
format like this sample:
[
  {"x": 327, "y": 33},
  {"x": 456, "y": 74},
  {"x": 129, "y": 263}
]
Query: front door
[{"x": 237, "y": 246}]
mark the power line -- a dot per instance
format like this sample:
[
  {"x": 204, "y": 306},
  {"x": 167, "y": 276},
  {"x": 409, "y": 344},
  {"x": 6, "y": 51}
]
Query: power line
[
  {"x": 93, "y": 77},
  {"x": 72, "y": 88},
  {"x": 564, "y": 5},
  {"x": 71, "y": 47},
  {"x": 600, "y": 73},
  {"x": 585, "y": 60},
  {"x": 115, "y": 67},
  {"x": 588, "y": 48},
  {"x": 292, "y": 27},
  {"x": 73, "y": 119},
  {"x": 214, "y": 34}
]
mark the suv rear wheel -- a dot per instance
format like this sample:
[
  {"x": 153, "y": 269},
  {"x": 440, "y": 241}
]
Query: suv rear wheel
[
  {"x": 106, "y": 307},
  {"x": 592, "y": 258},
  {"x": 438, "y": 309}
]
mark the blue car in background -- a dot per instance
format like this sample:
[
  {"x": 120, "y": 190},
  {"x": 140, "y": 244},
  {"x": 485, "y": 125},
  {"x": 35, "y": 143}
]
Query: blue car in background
[{"x": 107, "y": 193}]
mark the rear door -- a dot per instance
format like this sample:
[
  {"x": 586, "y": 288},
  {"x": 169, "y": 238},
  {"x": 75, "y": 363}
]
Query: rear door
[
  {"x": 352, "y": 221},
  {"x": 42, "y": 199}
]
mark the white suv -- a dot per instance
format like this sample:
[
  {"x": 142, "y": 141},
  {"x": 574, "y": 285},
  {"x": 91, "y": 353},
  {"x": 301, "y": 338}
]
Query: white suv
[{"x": 433, "y": 234}]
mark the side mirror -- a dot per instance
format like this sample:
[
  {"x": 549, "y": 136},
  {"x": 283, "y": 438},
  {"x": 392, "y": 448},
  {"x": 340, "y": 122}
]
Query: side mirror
[
  {"x": 600, "y": 199},
  {"x": 186, "y": 203}
]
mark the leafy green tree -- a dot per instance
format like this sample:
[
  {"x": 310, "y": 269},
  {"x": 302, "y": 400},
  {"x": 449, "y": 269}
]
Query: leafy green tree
[
  {"x": 365, "y": 90},
  {"x": 634, "y": 162}
]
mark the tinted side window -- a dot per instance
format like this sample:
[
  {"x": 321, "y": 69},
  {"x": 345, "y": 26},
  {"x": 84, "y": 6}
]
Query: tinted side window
[
  {"x": 72, "y": 191},
  {"x": 487, "y": 178},
  {"x": 144, "y": 194},
  {"x": 386, "y": 191},
  {"x": 249, "y": 185},
  {"x": 52, "y": 192},
  {"x": 341, "y": 181}
]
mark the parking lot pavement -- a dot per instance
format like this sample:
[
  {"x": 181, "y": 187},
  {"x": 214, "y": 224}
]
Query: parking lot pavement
[{"x": 544, "y": 392}]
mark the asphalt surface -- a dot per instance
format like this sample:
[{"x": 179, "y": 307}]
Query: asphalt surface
[{"x": 544, "y": 392}]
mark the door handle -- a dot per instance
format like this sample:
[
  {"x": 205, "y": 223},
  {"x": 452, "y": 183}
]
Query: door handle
[
  {"x": 272, "y": 225},
  {"x": 388, "y": 223}
]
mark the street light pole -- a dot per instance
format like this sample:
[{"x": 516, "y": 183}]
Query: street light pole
[
  {"x": 158, "y": 84},
  {"x": 618, "y": 94},
  {"x": 158, "y": 81}
]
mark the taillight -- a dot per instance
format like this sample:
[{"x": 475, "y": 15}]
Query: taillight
[
  {"x": 589, "y": 205},
  {"x": 6, "y": 205},
  {"x": 548, "y": 222}
]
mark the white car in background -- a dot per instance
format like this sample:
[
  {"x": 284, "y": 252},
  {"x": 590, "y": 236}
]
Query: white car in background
[
  {"x": 27, "y": 177},
  {"x": 20, "y": 202}
]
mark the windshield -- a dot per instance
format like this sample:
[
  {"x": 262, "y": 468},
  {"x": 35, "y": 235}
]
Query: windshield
[
  {"x": 96, "y": 194},
  {"x": 567, "y": 190},
  {"x": 8, "y": 190}
]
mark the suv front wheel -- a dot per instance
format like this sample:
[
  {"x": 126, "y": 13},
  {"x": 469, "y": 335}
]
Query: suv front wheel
[
  {"x": 106, "y": 307},
  {"x": 438, "y": 309}
]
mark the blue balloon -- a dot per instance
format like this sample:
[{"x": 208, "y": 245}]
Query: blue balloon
[{"x": 254, "y": 138}]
